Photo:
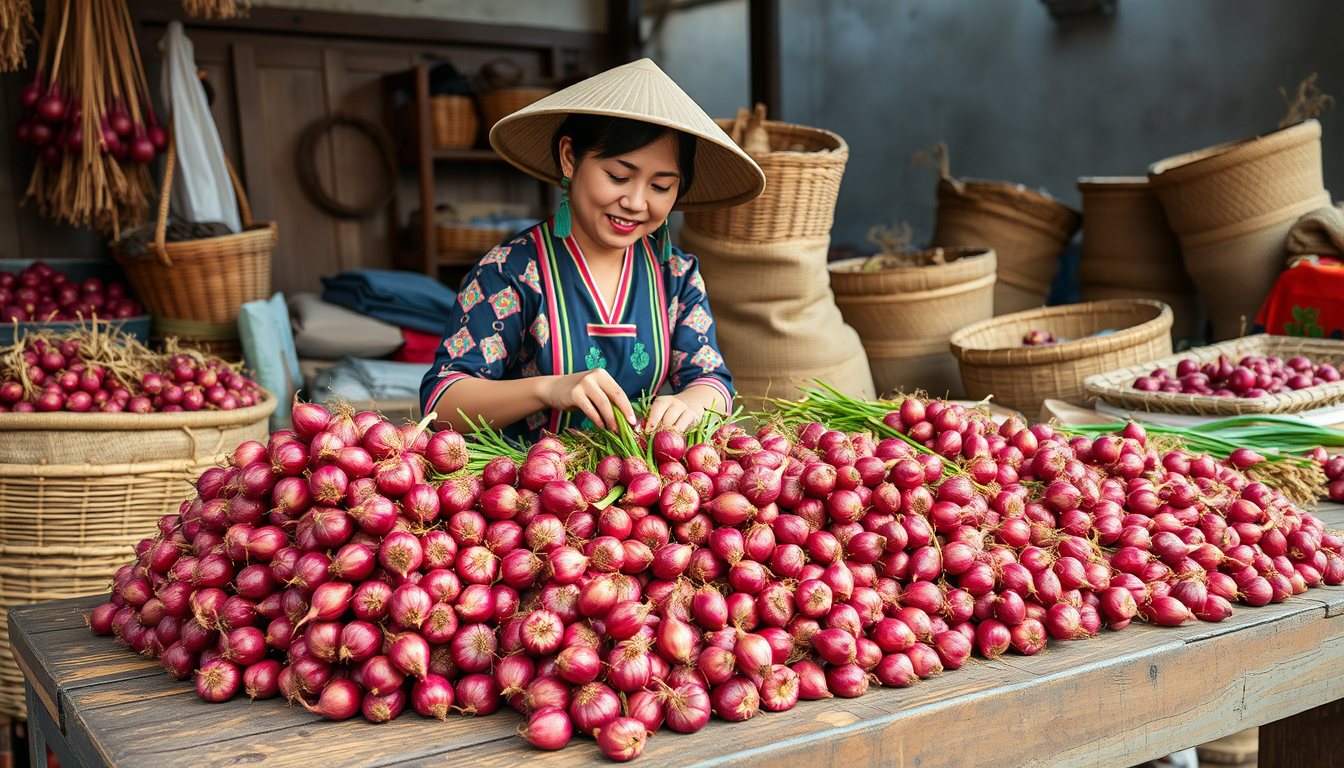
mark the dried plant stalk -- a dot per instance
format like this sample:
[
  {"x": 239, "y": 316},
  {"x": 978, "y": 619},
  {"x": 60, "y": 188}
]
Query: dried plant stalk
[
  {"x": 216, "y": 9},
  {"x": 16, "y": 32}
]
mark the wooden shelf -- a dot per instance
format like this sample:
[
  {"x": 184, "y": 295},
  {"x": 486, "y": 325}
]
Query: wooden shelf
[
  {"x": 409, "y": 155},
  {"x": 427, "y": 160}
]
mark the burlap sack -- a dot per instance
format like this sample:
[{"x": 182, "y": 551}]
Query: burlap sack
[
  {"x": 1318, "y": 233},
  {"x": 776, "y": 319}
]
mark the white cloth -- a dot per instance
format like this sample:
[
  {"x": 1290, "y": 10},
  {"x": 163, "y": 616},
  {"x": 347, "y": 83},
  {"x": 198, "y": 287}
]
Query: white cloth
[{"x": 201, "y": 187}]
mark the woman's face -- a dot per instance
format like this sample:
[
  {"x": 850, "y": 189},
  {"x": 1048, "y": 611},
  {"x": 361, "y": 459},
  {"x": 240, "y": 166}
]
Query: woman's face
[{"x": 616, "y": 201}]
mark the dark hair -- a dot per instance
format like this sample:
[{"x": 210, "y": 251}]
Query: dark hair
[{"x": 606, "y": 137}]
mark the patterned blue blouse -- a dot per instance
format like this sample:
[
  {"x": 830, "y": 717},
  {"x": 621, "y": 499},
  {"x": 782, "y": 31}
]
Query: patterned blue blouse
[{"x": 530, "y": 307}]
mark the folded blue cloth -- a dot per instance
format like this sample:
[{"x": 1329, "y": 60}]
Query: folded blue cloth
[
  {"x": 405, "y": 299},
  {"x": 358, "y": 379}
]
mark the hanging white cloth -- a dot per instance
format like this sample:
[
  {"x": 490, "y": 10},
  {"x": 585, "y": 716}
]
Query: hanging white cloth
[{"x": 201, "y": 191}]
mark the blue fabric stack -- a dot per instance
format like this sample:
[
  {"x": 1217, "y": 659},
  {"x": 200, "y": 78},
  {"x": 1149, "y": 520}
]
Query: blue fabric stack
[{"x": 405, "y": 299}]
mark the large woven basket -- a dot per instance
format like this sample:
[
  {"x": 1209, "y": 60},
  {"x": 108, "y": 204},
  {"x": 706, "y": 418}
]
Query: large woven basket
[
  {"x": 502, "y": 102},
  {"x": 458, "y": 239},
  {"x": 1026, "y": 228},
  {"x": 1116, "y": 387},
  {"x": 202, "y": 280},
  {"x": 78, "y": 491},
  {"x": 995, "y": 363},
  {"x": 453, "y": 122},
  {"x": 1232, "y": 206},
  {"x": 802, "y": 182},
  {"x": 905, "y": 315}
]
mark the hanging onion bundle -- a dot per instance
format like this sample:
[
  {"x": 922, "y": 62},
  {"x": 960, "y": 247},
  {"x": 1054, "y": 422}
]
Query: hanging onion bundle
[{"x": 88, "y": 112}]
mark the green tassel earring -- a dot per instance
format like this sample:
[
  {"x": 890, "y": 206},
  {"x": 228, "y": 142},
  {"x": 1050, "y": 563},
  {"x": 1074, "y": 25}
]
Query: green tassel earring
[
  {"x": 664, "y": 237},
  {"x": 562, "y": 222}
]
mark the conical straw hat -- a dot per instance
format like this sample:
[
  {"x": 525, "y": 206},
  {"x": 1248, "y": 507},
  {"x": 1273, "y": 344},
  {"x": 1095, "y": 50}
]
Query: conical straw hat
[{"x": 724, "y": 175}]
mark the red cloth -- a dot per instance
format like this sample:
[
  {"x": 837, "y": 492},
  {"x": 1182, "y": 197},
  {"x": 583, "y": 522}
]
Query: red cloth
[
  {"x": 1307, "y": 300},
  {"x": 419, "y": 347}
]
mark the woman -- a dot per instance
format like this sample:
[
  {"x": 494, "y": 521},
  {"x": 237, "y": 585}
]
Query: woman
[{"x": 566, "y": 324}]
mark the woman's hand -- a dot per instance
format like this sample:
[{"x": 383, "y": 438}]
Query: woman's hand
[
  {"x": 595, "y": 393},
  {"x": 674, "y": 413}
]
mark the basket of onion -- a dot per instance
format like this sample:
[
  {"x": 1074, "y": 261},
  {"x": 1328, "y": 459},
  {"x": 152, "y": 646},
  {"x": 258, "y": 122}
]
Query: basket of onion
[
  {"x": 1253, "y": 375},
  {"x": 95, "y": 451}
]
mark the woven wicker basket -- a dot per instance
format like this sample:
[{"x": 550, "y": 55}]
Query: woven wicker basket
[
  {"x": 203, "y": 280},
  {"x": 457, "y": 239},
  {"x": 802, "y": 183},
  {"x": 1232, "y": 206},
  {"x": 1026, "y": 228},
  {"x": 78, "y": 491},
  {"x": 905, "y": 315},
  {"x": 1126, "y": 240},
  {"x": 453, "y": 122},
  {"x": 1116, "y": 387},
  {"x": 500, "y": 103},
  {"x": 994, "y": 362}
]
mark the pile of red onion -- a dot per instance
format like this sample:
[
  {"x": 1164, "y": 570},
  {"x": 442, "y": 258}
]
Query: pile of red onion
[
  {"x": 63, "y": 375},
  {"x": 331, "y": 567},
  {"x": 38, "y": 293},
  {"x": 1253, "y": 376}
]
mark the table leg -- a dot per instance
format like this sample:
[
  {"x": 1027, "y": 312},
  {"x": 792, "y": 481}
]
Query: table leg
[
  {"x": 37, "y": 743},
  {"x": 1310, "y": 739},
  {"x": 44, "y": 732}
]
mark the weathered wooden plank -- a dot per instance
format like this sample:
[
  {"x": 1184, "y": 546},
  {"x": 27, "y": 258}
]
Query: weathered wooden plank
[
  {"x": 1310, "y": 739},
  {"x": 58, "y": 614}
]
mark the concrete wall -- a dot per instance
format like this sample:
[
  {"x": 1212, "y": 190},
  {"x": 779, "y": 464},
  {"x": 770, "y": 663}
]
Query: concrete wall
[
  {"x": 1014, "y": 94},
  {"x": 579, "y": 15}
]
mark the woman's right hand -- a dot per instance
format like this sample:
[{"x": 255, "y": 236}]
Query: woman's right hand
[{"x": 595, "y": 393}]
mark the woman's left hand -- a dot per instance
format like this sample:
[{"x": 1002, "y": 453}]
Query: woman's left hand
[{"x": 674, "y": 413}]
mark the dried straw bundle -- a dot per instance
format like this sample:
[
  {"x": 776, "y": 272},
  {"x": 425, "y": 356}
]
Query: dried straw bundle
[
  {"x": 216, "y": 9},
  {"x": 16, "y": 31}
]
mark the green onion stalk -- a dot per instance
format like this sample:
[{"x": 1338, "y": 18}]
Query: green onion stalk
[{"x": 1281, "y": 440}]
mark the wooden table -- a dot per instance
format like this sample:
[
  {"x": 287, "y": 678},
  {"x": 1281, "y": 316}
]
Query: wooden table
[{"x": 1116, "y": 700}]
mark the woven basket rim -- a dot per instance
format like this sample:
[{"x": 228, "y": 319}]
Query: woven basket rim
[
  {"x": 1117, "y": 183},
  {"x": 963, "y": 256},
  {"x": 79, "y": 471},
  {"x": 1068, "y": 350},
  {"x": 61, "y": 421},
  {"x": 1192, "y": 165},
  {"x": 1013, "y": 188},
  {"x": 1113, "y": 388},
  {"x": 838, "y": 147},
  {"x": 261, "y": 230}
]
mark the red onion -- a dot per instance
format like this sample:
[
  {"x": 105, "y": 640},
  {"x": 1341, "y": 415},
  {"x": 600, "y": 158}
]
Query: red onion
[
  {"x": 686, "y": 707},
  {"x": 478, "y": 694},
  {"x": 548, "y": 728},
  {"x": 736, "y": 699},
  {"x": 432, "y": 696},
  {"x": 647, "y": 707},
  {"x": 593, "y": 706},
  {"x": 340, "y": 700},
  {"x": 1165, "y": 611},
  {"x": 218, "y": 680},
  {"x": 262, "y": 679},
  {"x": 848, "y": 680},
  {"x": 1029, "y": 637},
  {"x": 622, "y": 739},
  {"x": 383, "y": 709}
]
